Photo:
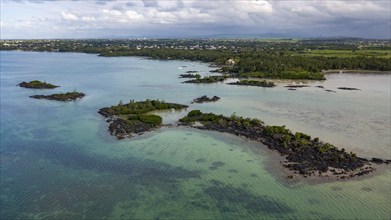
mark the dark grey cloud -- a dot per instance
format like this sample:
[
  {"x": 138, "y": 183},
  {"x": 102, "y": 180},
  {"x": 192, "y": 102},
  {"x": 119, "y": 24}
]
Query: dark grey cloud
[
  {"x": 130, "y": 4},
  {"x": 180, "y": 4},
  {"x": 150, "y": 3}
]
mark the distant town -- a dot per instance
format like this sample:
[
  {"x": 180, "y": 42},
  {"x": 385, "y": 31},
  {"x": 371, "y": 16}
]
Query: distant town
[{"x": 58, "y": 45}]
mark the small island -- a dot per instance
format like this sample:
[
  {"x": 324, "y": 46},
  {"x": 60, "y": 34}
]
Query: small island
[
  {"x": 190, "y": 75},
  {"x": 304, "y": 155},
  {"x": 207, "y": 79},
  {"x": 205, "y": 98},
  {"x": 262, "y": 83},
  {"x": 36, "y": 84},
  {"x": 132, "y": 118},
  {"x": 296, "y": 86},
  {"x": 69, "y": 96}
]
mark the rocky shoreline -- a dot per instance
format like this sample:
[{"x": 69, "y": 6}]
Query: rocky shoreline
[
  {"x": 190, "y": 75},
  {"x": 121, "y": 127},
  {"x": 258, "y": 83},
  {"x": 303, "y": 155},
  {"x": 207, "y": 79}
]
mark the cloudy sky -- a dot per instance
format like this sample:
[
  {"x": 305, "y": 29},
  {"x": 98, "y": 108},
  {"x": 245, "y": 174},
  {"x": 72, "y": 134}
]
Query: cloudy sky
[{"x": 194, "y": 18}]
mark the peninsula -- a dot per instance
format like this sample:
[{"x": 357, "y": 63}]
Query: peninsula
[{"x": 305, "y": 155}]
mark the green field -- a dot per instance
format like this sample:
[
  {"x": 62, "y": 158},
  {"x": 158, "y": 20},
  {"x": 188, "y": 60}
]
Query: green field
[{"x": 348, "y": 53}]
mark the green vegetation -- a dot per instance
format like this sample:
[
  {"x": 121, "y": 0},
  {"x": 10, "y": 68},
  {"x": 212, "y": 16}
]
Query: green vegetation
[
  {"x": 141, "y": 107},
  {"x": 286, "y": 74},
  {"x": 262, "y": 83},
  {"x": 305, "y": 155},
  {"x": 193, "y": 113},
  {"x": 131, "y": 118},
  {"x": 69, "y": 96},
  {"x": 154, "y": 120},
  {"x": 36, "y": 84},
  {"x": 386, "y": 54},
  {"x": 272, "y": 130},
  {"x": 205, "y": 118}
]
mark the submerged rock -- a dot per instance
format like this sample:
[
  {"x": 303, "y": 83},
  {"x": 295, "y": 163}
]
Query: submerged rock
[
  {"x": 205, "y": 98},
  {"x": 296, "y": 86},
  {"x": 347, "y": 88},
  {"x": 377, "y": 160}
]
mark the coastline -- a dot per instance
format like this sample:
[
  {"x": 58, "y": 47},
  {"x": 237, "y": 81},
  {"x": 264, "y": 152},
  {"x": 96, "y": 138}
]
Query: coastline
[
  {"x": 275, "y": 166},
  {"x": 356, "y": 71}
]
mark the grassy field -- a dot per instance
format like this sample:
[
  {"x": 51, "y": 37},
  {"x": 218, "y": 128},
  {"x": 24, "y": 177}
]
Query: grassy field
[{"x": 347, "y": 53}]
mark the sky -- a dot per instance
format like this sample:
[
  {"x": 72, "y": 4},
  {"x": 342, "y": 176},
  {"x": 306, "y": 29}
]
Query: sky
[{"x": 41, "y": 19}]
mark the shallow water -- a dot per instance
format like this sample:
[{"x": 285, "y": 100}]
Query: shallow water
[{"x": 59, "y": 162}]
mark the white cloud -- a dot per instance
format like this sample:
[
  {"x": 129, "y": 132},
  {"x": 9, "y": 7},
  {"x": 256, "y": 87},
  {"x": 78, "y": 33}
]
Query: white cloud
[
  {"x": 306, "y": 11},
  {"x": 351, "y": 6},
  {"x": 114, "y": 13},
  {"x": 253, "y": 6},
  {"x": 88, "y": 18},
  {"x": 69, "y": 16},
  {"x": 133, "y": 16}
]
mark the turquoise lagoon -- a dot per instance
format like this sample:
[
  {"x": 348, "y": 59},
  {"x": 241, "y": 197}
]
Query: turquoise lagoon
[{"x": 59, "y": 162}]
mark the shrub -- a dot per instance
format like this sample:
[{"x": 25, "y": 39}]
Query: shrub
[
  {"x": 270, "y": 130},
  {"x": 151, "y": 119},
  {"x": 194, "y": 113}
]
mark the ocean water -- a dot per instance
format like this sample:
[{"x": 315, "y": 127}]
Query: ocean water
[{"x": 59, "y": 162}]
